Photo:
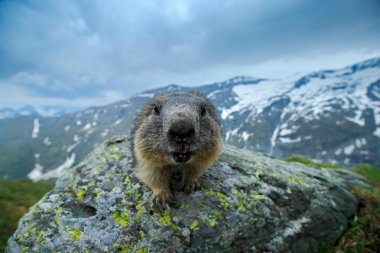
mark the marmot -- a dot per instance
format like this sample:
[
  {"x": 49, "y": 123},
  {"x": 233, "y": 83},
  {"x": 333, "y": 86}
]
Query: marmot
[{"x": 175, "y": 131}]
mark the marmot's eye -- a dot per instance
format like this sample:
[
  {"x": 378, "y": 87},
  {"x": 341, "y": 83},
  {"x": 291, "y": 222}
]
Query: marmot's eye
[
  {"x": 156, "y": 109},
  {"x": 203, "y": 110}
]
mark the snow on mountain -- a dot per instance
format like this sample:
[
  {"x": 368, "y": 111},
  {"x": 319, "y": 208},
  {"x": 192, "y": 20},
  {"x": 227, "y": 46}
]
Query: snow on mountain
[{"x": 322, "y": 111}]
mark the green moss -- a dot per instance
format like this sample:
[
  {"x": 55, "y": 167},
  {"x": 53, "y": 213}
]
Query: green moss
[
  {"x": 114, "y": 152},
  {"x": 41, "y": 235},
  {"x": 212, "y": 222},
  {"x": 143, "y": 250},
  {"x": 123, "y": 219},
  {"x": 75, "y": 235},
  {"x": 19, "y": 239},
  {"x": 241, "y": 207},
  {"x": 140, "y": 206},
  {"x": 245, "y": 201},
  {"x": 30, "y": 230},
  {"x": 194, "y": 226},
  {"x": 224, "y": 199},
  {"x": 81, "y": 195},
  {"x": 298, "y": 181},
  {"x": 126, "y": 248},
  {"x": 98, "y": 192},
  {"x": 58, "y": 214},
  {"x": 166, "y": 219},
  {"x": 131, "y": 189},
  {"x": 127, "y": 180},
  {"x": 116, "y": 246}
]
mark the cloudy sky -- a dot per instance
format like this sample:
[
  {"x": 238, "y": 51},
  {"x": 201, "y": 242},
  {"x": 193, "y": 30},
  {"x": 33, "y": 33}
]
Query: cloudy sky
[{"x": 83, "y": 53}]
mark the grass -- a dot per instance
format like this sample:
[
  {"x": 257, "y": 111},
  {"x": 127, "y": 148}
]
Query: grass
[
  {"x": 16, "y": 196},
  {"x": 364, "y": 232},
  {"x": 363, "y": 235},
  {"x": 305, "y": 161}
]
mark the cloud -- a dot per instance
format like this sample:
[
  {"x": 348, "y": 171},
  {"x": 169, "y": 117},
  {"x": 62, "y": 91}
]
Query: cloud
[
  {"x": 80, "y": 48},
  {"x": 25, "y": 79}
]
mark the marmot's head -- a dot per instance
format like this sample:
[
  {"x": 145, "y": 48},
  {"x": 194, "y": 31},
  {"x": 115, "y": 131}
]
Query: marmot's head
[{"x": 178, "y": 128}]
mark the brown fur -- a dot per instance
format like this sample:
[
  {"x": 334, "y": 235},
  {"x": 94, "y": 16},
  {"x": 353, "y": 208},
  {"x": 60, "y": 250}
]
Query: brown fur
[{"x": 156, "y": 151}]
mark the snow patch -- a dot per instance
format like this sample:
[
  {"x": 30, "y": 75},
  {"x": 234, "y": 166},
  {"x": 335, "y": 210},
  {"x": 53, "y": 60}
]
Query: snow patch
[
  {"x": 57, "y": 171},
  {"x": 212, "y": 94},
  {"x": 117, "y": 122},
  {"x": 71, "y": 147},
  {"x": 86, "y": 127},
  {"x": 273, "y": 139},
  {"x": 36, "y": 128},
  {"x": 36, "y": 172},
  {"x": 47, "y": 141},
  {"x": 105, "y": 132},
  {"x": 289, "y": 140},
  {"x": 230, "y": 133},
  {"x": 256, "y": 97},
  {"x": 285, "y": 131},
  {"x": 245, "y": 136},
  {"x": 349, "y": 149},
  {"x": 357, "y": 120},
  {"x": 67, "y": 128},
  {"x": 377, "y": 132}
]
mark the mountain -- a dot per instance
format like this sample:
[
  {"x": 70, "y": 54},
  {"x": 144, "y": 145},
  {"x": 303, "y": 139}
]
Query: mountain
[
  {"x": 28, "y": 110},
  {"x": 329, "y": 116}
]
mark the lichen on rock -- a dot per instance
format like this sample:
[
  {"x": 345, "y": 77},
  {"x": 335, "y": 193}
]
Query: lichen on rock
[{"x": 247, "y": 203}]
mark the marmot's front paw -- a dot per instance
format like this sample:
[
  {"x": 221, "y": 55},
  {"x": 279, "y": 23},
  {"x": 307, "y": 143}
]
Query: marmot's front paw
[
  {"x": 164, "y": 200},
  {"x": 189, "y": 187}
]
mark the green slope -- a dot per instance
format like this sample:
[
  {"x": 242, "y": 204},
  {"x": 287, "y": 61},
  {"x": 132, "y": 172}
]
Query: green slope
[{"x": 16, "y": 196}]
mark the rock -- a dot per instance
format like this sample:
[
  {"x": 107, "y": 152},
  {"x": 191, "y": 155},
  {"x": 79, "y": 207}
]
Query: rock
[{"x": 247, "y": 203}]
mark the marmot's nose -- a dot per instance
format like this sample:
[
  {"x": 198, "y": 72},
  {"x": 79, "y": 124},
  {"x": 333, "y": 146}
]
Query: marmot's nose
[{"x": 181, "y": 130}]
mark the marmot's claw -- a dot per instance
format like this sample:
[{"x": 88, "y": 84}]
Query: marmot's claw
[
  {"x": 165, "y": 203},
  {"x": 190, "y": 187}
]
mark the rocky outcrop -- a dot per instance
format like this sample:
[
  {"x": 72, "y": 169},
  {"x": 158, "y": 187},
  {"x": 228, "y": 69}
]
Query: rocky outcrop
[{"x": 247, "y": 203}]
